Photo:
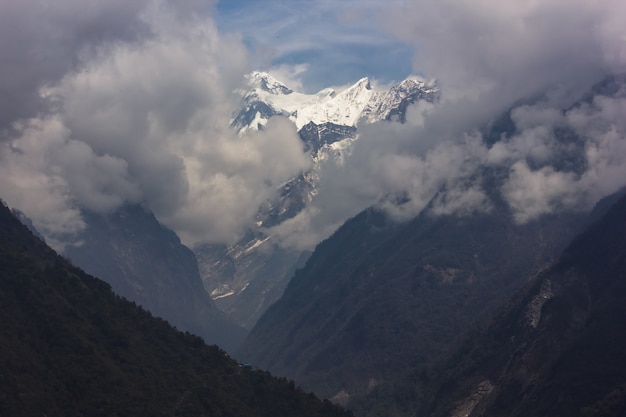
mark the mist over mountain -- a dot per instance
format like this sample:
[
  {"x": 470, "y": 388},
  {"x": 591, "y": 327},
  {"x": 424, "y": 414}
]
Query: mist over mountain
[
  {"x": 379, "y": 296},
  {"x": 384, "y": 293},
  {"x": 94, "y": 126},
  {"x": 148, "y": 128},
  {"x": 247, "y": 277}
]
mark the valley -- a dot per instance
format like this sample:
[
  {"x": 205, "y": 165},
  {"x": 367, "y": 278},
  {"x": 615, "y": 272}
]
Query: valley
[{"x": 313, "y": 209}]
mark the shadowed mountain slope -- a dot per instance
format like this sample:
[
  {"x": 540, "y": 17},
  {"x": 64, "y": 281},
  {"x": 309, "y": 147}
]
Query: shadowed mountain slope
[
  {"x": 69, "y": 346},
  {"x": 147, "y": 263},
  {"x": 378, "y": 297},
  {"x": 558, "y": 349}
]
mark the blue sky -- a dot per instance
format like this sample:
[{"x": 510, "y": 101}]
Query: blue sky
[{"x": 338, "y": 42}]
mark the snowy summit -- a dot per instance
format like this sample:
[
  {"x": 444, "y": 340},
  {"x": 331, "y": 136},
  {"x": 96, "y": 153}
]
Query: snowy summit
[{"x": 269, "y": 97}]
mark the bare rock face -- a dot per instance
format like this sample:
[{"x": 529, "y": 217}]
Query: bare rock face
[
  {"x": 466, "y": 407},
  {"x": 557, "y": 348}
]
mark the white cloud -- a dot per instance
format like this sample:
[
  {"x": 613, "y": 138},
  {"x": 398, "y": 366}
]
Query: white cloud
[
  {"x": 388, "y": 164},
  {"x": 600, "y": 125},
  {"x": 230, "y": 177},
  {"x": 41, "y": 41},
  {"x": 290, "y": 75},
  {"x": 111, "y": 102},
  {"x": 30, "y": 178},
  {"x": 146, "y": 119},
  {"x": 533, "y": 193},
  {"x": 460, "y": 199},
  {"x": 489, "y": 58},
  {"x": 500, "y": 52}
]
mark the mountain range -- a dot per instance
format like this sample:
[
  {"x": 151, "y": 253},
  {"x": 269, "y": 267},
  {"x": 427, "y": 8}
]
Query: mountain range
[
  {"x": 218, "y": 291},
  {"x": 555, "y": 348},
  {"x": 247, "y": 277},
  {"x": 359, "y": 103},
  {"x": 380, "y": 303},
  {"x": 442, "y": 314}
]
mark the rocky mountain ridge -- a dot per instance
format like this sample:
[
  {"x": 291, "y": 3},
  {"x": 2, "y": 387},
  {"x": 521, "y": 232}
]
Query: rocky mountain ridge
[
  {"x": 380, "y": 297},
  {"x": 360, "y": 102}
]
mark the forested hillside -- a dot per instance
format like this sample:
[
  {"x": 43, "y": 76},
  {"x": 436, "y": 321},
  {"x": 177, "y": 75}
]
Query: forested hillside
[{"x": 71, "y": 347}]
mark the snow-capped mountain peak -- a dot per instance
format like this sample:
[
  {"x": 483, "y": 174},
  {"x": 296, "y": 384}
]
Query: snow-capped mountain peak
[
  {"x": 247, "y": 277},
  {"x": 326, "y": 93},
  {"x": 392, "y": 103},
  {"x": 265, "y": 82},
  {"x": 343, "y": 109},
  {"x": 269, "y": 97}
]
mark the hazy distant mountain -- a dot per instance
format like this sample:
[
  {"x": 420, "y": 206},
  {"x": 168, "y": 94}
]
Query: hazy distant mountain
[
  {"x": 146, "y": 263},
  {"x": 245, "y": 278},
  {"x": 71, "y": 347}
]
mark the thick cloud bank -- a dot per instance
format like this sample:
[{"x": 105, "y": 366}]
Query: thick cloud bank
[
  {"x": 140, "y": 115},
  {"x": 490, "y": 58},
  {"x": 110, "y": 102}
]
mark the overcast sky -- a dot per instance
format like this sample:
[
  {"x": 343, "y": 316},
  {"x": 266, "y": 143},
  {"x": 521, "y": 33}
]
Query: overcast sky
[{"x": 110, "y": 102}]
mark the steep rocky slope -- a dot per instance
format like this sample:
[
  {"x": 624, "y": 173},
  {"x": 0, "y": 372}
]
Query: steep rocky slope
[
  {"x": 378, "y": 297},
  {"x": 558, "y": 348}
]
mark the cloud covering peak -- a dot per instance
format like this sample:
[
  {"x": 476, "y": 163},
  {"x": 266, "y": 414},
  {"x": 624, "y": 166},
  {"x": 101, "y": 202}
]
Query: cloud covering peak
[
  {"x": 141, "y": 118},
  {"x": 106, "y": 103},
  {"x": 527, "y": 62},
  {"x": 515, "y": 49}
]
